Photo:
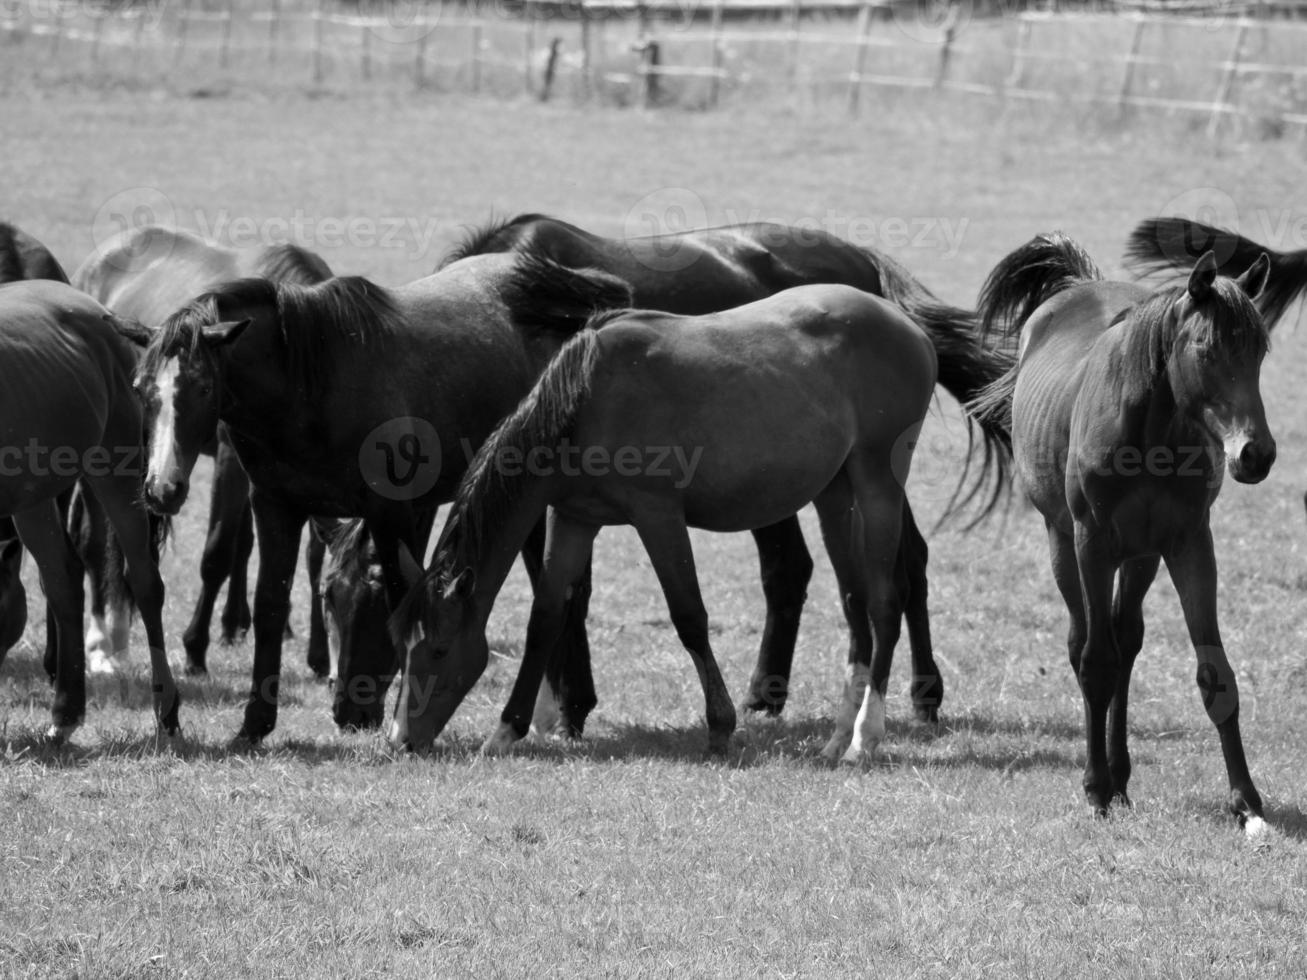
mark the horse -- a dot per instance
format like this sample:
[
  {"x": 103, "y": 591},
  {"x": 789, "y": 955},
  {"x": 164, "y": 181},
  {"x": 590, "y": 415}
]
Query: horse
[
  {"x": 21, "y": 257},
  {"x": 345, "y": 399},
  {"x": 1127, "y": 404},
  {"x": 714, "y": 269},
  {"x": 146, "y": 273},
  {"x": 814, "y": 395},
  {"x": 1175, "y": 244},
  {"x": 68, "y": 413}
]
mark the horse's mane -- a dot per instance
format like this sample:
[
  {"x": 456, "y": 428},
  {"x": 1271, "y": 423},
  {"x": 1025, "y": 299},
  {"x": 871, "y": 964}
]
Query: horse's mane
[
  {"x": 480, "y": 239},
  {"x": 1162, "y": 245},
  {"x": 349, "y": 549},
  {"x": 133, "y": 331},
  {"x": 291, "y": 263},
  {"x": 486, "y": 497},
  {"x": 313, "y": 320},
  {"x": 1226, "y": 321},
  {"x": 23, "y": 257}
]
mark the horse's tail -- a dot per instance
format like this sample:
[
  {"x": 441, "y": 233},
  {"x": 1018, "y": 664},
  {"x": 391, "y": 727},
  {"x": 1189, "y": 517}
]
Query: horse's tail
[
  {"x": 550, "y": 298},
  {"x": 1027, "y": 277},
  {"x": 967, "y": 365},
  {"x": 1175, "y": 244},
  {"x": 1020, "y": 283}
]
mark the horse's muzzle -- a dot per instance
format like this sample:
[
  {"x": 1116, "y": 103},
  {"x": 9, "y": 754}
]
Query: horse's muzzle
[
  {"x": 166, "y": 498},
  {"x": 1253, "y": 464}
]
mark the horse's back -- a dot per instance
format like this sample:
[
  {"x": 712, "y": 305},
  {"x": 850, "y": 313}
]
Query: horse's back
[
  {"x": 801, "y": 379},
  {"x": 63, "y": 373},
  {"x": 150, "y": 272}
]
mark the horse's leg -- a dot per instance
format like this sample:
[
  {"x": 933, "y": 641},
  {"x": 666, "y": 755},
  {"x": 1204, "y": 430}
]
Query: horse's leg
[
  {"x": 665, "y": 537},
  {"x": 927, "y": 682},
  {"x": 279, "y": 526},
  {"x": 1192, "y": 565},
  {"x": 1099, "y": 660},
  {"x": 319, "y": 660},
  {"x": 1062, "y": 556},
  {"x": 215, "y": 565},
  {"x": 881, "y": 503},
  {"x": 565, "y": 561},
  {"x": 568, "y": 696},
  {"x": 232, "y": 488},
  {"x": 841, "y": 530},
  {"x": 786, "y": 571},
  {"x": 120, "y": 496},
  {"x": 41, "y": 529},
  {"x": 1137, "y": 576},
  {"x": 88, "y": 530}
]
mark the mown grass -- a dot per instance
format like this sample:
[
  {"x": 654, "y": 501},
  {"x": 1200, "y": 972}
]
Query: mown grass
[{"x": 967, "y": 852}]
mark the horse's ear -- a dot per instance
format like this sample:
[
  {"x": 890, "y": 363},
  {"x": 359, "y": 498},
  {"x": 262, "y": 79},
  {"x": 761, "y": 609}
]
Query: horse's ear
[
  {"x": 225, "y": 333},
  {"x": 462, "y": 587},
  {"x": 11, "y": 553},
  {"x": 1253, "y": 281},
  {"x": 409, "y": 568},
  {"x": 1204, "y": 274}
]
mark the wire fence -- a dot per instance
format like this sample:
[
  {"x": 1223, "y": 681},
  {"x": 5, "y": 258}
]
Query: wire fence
[{"x": 1236, "y": 60}]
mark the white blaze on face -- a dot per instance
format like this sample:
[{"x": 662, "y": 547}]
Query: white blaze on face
[
  {"x": 163, "y": 444},
  {"x": 333, "y": 643}
]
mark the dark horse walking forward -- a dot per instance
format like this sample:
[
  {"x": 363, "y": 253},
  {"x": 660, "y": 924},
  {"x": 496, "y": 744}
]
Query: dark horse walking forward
[
  {"x": 815, "y": 395},
  {"x": 146, "y": 274},
  {"x": 68, "y": 412},
  {"x": 1126, "y": 407},
  {"x": 345, "y": 399},
  {"x": 715, "y": 269}
]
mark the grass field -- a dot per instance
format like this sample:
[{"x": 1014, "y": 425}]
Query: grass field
[{"x": 967, "y": 853}]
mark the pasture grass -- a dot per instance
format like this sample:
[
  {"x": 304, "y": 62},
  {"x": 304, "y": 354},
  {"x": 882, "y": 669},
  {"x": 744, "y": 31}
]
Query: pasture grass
[{"x": 966, "y": 852}]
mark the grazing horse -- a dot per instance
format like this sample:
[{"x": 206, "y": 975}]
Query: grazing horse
[
  {"x": 1175, "y": 244},
  {"x": 714, "y": 269},
  {"x": 68, "y": 413},
  {"x": 21, "y": 257},
  {"x": 146, "y": 274},
  {"x": 345, "y": 399},
  {"x": 815, "y": 395},
  {"x": 1126, "y": 407}
]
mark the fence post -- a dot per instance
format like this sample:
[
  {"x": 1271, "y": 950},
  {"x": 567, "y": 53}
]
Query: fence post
[
  {"x": 1227, "y": 79},
  {"x": 224, "y": 48},
  {"x": 476, "y": 48},
  {"x": 274, "y": 28},
  {"x": 859, "y": 56},
  {"x": 551, "y": 66},
  {"x": 319, "y": 15},
  {"x": 714, "y": 83},
  {"x": 796, "y": 15},
  {"x": 1018, "y": 56},
  {"x": 365, "y": 52},
  {"x": 651, "y": 60},
  {"x": 183, "y": 26},
  {"x": 529, "y": 12},
  {"x": 420, "y": 56},
  {"x": 586, "y": 38},
  {"x": 950, "y": 28},
  {"x": 1135, "y": 40}
]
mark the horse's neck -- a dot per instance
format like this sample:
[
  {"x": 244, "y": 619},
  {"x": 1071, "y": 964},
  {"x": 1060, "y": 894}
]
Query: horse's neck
[{"x": 503, "y": 539}]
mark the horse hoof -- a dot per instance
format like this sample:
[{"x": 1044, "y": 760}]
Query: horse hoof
[
  {"x": 242, "y": 743},
  {"x": 193, "y": 669},
  {"x": 927, "y": 714},
  {"x": 501, "y": 742},
  {"x": 99, "y": 662},
  {"x": 767, "y": 709},
  {"x": 1123, "y": 800},
  {"x": 58, "y": 735},
  {"x": 1254, "y": 828}
]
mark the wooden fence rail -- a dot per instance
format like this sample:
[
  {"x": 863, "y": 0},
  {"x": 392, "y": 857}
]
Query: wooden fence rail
[{"x": 550, "y": 46}]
